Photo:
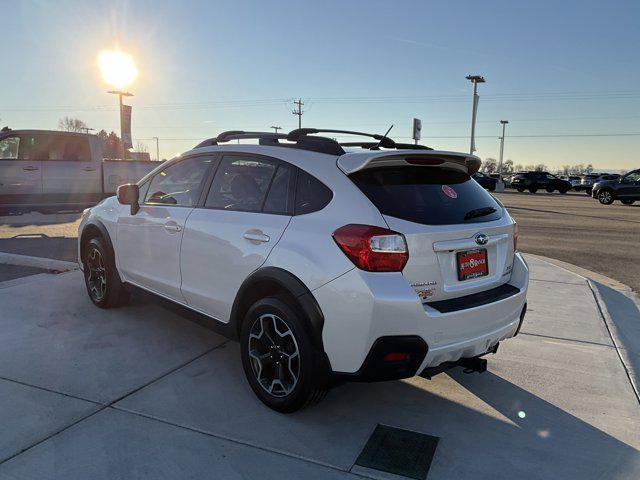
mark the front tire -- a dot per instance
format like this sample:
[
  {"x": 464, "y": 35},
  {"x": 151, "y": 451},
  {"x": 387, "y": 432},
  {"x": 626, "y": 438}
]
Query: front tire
[
  {"x": 520, "y": 189},
  {"x": 627, "y": 202},
  {"x": 104, "y": 286},
  {"x": 280, "y": 361},
  {"x": 605, "y": 197}
]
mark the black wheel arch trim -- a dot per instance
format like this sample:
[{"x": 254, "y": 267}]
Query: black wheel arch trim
[{"x": 294, "y": 286}]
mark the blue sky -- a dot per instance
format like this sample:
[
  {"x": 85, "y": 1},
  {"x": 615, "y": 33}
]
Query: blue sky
[{"x": 552, "y": 68}]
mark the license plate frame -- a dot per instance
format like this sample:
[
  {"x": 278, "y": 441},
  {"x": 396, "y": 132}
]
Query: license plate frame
[{"x": 472, "y": 264}]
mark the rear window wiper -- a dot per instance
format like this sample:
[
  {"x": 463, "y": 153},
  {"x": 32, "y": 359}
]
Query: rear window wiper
[{"x": 479, "y": 212}]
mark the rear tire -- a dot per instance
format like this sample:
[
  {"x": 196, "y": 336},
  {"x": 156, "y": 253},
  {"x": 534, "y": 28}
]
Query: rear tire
[
  {"x": 605, "y": 197},
  {"x": 588, "y": 192},
  {"x": 627, "y": 202},
  {"x": 281, "y": 363},
  {"x": 563, "y": 191},
  {"x": 104, "y": 286},
  {"x": 520, "y": 189},
  {"x": 533, "y": 189}
]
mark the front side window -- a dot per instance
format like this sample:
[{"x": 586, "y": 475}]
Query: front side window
[
  {"x": 179, "y": 183},
  {"x": 9, "y": 148},
  {"x": 241, "y": 183}
]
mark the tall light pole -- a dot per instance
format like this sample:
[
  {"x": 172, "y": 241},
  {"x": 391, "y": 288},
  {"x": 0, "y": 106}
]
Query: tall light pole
[
  {"x": 275, "y": 129},
  {"x": 157, "y": 148},
  {"x": 121, "y": 94},
  {"x": 504, "y": 125},
  {"x": 118, "y": 70},
  {"x": 475, "y": 79}
]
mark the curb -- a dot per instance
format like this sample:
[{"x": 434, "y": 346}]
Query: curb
[
  {"x": 37, "y": 262},
  {"x": 614, "y": 330},
  {"x": 584, "y": 273}
]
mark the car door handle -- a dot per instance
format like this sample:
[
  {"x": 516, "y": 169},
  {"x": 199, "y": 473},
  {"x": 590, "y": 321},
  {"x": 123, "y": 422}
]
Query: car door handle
[
  {"x": 172, "y": 227},
  {"x": 89, "y": 169},
  {"x": 30, "y": 169},
  {"x": 256, "y": 236}
]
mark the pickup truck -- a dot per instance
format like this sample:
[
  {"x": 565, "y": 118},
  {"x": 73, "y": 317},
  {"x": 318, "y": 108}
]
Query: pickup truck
[{"x": 44, "y": 169}]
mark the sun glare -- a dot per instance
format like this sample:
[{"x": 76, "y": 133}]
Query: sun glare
[{"x": 118, "y": 68}]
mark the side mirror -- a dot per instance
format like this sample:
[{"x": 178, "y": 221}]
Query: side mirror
[{"x": 128, "y": 195}]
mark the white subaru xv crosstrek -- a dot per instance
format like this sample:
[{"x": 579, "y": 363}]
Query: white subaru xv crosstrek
[{"x": 328, "y": 262}]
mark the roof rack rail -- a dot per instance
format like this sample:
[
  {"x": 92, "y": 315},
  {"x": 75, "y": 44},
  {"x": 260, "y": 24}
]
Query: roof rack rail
[
  {"x": 385, "y": 141},
  {"x": 303, "y": 139},
  {"x": 303, "y": 142}
]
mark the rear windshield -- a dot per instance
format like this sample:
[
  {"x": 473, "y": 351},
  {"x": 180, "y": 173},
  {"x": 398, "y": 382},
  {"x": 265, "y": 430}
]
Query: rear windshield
[{"x": 431, "y": 196}]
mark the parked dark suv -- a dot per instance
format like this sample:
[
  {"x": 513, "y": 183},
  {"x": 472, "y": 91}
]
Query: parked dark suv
[
  {"x": 533, "y": 181},
  {"x": 485, "y": 181},
  {"x": 626, "y": 189}
]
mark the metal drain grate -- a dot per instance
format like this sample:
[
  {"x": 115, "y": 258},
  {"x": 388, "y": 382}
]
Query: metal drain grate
[{"x": 398, "y": 451}]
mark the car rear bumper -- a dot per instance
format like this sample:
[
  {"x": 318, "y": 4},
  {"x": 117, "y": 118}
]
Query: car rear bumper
[{"x": 360, "y": 308}]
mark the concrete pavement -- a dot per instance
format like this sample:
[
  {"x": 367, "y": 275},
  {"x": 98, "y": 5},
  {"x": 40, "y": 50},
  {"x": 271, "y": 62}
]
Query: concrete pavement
[{"x": 142, "y": 392}]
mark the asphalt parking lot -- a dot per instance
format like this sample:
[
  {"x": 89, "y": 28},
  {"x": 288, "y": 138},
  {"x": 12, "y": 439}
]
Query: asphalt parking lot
[
  {"x": 579, "y": 230},
  {"x": 143, "y": 392}
]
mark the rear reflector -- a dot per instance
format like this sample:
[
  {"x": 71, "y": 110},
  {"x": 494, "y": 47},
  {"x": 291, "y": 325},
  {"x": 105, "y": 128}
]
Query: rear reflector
[
  {"x": 515, "y": 237},
  {"x": 395, "y": 357},
  {"x": 373, "y": 249}
]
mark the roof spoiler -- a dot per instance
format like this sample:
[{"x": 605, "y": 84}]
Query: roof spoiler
[{"x": 353, "y": 162}]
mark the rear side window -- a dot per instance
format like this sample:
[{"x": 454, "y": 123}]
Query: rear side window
[
  {"x": 311, "y": 194},
  {"x": 241, "y": 183},
  {"x": 431, "y": 196},
  {"x": 279, "y": 199}
]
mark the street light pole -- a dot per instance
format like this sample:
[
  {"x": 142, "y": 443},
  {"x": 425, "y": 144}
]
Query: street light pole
[
  {"x": 504, "y": 125},
  {"x": 475, "y": 79},
  {"x": 275, "y": 129},
  {"x": 120, "y": 95},
  {"x": 157, "y": 148}
]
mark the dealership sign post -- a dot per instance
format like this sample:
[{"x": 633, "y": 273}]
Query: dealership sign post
[{"x": 417, "y": 129}]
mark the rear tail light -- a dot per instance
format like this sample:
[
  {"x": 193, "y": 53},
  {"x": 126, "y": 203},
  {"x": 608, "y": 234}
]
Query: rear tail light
[
  {"x": 373, "y": 249},
  {"x": 515, "y": 237}
]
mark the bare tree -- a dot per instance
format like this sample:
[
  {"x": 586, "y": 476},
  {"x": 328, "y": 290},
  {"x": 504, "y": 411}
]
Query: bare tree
[
  {"x": 588, "y": 169},
  {"x": 541, "y": 167},
  {"x": 566, "y": 169},
  {"x": 69, "y": 124},
  {"x": 141, "y": 148},
  {"x": 489, "y": 165}
]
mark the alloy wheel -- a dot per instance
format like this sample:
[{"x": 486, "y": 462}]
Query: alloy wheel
[
  {"x": 97, "y": 277},
  {"x": 605, "y": 197},
  {"x": 274, "y": 355}
]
